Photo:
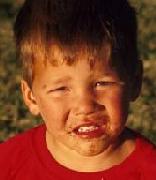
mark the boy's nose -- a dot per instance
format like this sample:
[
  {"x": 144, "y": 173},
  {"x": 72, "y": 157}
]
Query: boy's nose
[{"x": 85, "y": 105}]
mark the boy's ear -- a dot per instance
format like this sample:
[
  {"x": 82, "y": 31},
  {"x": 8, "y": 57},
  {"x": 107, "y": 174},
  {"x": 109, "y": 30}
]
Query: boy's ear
[
  {"x": 29, "y": 98},
  {"x": 137, "y": 82}
]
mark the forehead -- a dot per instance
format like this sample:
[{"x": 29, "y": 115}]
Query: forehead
[
  {"x": 86, "y": 65},
  {"x": 81, "y": 64},
  {"x": 70, "y": 54}
]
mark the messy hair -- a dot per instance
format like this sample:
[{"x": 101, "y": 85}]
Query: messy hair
[{"x": 40, "y": 23}]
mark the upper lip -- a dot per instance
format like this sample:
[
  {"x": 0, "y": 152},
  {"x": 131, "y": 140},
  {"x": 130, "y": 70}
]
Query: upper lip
[{"x": 97, "y": 119}]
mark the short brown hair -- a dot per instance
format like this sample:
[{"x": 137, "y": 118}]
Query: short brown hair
[{"x": 42, "y": 22}]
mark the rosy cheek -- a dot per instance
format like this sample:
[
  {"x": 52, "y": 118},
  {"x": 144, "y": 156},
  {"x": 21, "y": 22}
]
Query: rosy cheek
[
  {"x": 55, "y": 113},
  {"x": 115, "y": 103},
  {"x": 106, "y": 97}
]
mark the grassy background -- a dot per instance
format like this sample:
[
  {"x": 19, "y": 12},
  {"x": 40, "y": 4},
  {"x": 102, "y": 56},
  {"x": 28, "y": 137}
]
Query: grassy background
[{"x": 14, "y": 116}]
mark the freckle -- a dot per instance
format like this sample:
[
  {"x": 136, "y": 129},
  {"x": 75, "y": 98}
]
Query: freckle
[{"x": 44, "y": 86}]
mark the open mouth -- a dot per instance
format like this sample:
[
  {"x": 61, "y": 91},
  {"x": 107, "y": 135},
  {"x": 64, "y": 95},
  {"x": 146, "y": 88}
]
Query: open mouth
[{"x": 91, "y": 130}]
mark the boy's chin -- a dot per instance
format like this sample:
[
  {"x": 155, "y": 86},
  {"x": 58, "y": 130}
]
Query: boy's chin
[
  {"x": 91, "y": 147},
  {"x": 88, "y": 152}
]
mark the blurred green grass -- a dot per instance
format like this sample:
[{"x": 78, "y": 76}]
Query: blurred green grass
[{"x": 14, "y": 116}]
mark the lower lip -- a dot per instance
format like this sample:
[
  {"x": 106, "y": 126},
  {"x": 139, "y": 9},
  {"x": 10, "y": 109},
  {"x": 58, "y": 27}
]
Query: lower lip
[{"x": 93, "y": 134}]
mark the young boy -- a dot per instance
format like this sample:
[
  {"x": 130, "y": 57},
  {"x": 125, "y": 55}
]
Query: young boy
[{"x": 80, "y": 72}]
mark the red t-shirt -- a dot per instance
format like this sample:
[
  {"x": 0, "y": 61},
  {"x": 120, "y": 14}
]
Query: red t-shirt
[{"x": 25, "y": 157}]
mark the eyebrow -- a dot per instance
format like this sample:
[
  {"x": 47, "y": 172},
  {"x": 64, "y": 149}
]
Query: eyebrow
[{"x": 58, "y": 81}]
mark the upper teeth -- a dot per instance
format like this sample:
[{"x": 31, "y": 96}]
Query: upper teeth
[{"x": 87, "y": 129}]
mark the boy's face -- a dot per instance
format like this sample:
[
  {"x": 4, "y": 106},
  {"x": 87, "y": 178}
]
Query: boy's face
[{"x": 84, "y": 105}]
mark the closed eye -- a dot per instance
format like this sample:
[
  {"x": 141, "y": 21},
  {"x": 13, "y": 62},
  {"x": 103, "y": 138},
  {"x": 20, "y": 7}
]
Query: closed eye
[{"x": 63, "y": 88}]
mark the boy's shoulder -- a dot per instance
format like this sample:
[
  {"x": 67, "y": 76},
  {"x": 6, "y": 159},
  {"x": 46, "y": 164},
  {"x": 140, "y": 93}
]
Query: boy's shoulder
[
  {"x": 21, "y": 139},
  {"x": 144, "y": 145},
  {"x": 144, "y": 154},
  {"x": 147, "y": 158},
  {"x": 18, "y": 149},
  {"x": 147, "y": 148}
]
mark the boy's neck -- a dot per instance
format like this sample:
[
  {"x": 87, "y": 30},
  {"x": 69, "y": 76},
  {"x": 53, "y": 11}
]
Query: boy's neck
[{"x": 113, "y": 155}]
